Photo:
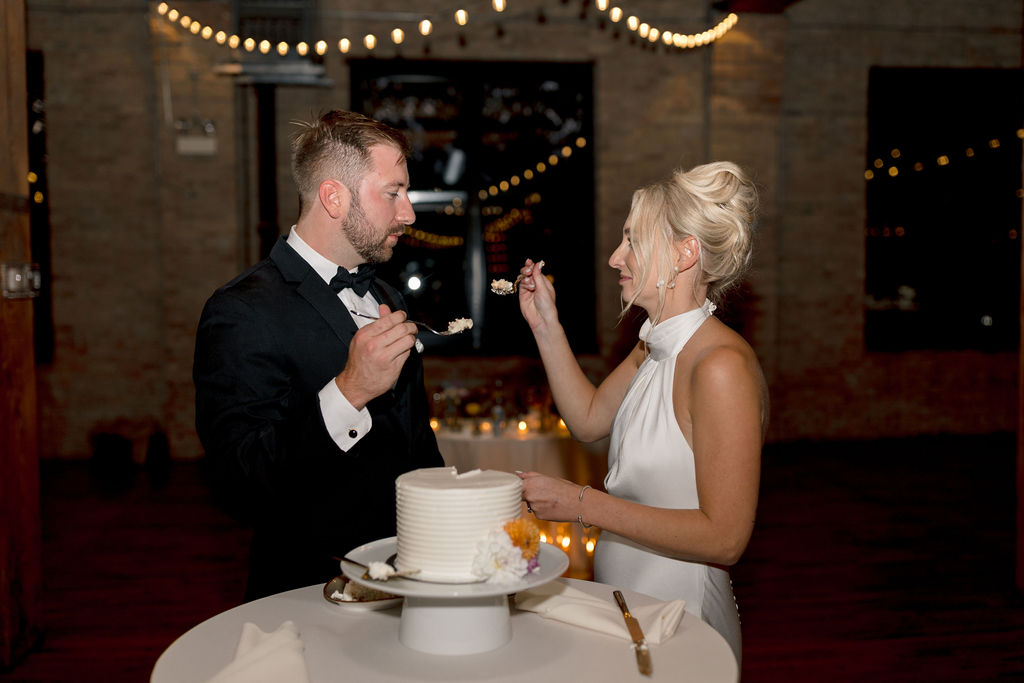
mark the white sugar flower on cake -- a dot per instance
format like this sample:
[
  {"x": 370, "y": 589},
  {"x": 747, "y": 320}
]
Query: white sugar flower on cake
[{"x": 508, "y": 554}]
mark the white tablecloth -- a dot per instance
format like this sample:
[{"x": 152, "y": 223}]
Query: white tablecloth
[{"x": 346, "y": 645}]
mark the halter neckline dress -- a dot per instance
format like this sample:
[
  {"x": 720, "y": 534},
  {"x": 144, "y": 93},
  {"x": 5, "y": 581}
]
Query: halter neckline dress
[{"x": 650, "y": 462}]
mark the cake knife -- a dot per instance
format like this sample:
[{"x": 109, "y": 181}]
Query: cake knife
[{"x": 643, "y": 653}]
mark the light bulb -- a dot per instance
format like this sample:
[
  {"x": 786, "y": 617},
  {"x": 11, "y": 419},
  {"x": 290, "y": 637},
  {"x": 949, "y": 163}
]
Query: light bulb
[{"x": 461, "y": 17}]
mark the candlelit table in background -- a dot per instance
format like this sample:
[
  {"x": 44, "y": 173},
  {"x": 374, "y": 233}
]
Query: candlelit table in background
[
  {"x": 343, "y": 644},
  {"x": 554, "y": 453}
]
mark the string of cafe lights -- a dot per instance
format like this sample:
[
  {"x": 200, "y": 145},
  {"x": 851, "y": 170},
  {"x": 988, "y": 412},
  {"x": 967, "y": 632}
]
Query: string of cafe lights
[
  {"x": 514, "y": 181},
  {"x": 880, "y": 172},
  {"x": 398, "y": 35},
  {"x": 883, "y": 168}
]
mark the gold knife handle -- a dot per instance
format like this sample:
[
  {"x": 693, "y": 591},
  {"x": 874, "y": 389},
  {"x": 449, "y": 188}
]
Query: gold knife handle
[{"x": 643, "y": 654}]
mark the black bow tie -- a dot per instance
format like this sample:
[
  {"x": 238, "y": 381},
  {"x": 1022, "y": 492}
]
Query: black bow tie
[{"x": 359, "y": 282}]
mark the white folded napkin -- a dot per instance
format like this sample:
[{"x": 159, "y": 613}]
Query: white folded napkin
[
  {"x": 561, "y": 602},
  {"x": 261, "y": 657}
]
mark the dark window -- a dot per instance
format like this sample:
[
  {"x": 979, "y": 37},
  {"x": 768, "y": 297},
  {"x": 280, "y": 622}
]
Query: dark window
[
  {"x": 275, "y": 20},
  {"x": 943, "y": 229},
  {"x": 473, "y": 127},
  {"x": 39, "y": 207}
]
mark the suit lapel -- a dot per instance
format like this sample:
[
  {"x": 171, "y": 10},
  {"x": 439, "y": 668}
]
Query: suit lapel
[
  {"x": 380, "y": 292},
  {"x": 313, "y": 289}
]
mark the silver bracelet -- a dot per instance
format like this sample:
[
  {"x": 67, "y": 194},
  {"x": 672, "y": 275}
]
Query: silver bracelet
[{"x": 579, "y": 516}]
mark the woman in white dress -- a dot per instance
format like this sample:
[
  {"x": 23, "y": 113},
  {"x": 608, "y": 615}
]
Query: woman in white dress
[{"x": 687, "y": 409}]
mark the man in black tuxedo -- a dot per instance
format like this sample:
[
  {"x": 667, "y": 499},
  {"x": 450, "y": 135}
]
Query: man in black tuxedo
[{"x": 307, "y": 412}]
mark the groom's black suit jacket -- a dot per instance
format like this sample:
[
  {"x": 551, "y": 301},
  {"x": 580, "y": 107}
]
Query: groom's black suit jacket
[{"x": 267, "y": 342}]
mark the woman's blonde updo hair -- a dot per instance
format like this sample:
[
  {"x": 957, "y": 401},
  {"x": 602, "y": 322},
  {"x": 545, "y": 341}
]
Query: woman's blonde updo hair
[{"x": 716, "y": 204}]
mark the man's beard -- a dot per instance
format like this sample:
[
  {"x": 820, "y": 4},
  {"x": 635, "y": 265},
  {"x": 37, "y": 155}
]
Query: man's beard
[{"x": 364, "y": 237}]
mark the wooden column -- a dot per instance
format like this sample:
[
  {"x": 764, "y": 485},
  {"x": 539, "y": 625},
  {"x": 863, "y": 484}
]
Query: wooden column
[{"x": 20, "y": 535}]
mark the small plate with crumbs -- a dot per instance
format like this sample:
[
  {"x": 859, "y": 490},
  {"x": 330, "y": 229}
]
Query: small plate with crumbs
[{"x": 351, "y": 596}]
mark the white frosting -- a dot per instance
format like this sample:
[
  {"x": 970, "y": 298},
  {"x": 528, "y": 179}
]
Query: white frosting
[
  {"x": 380, "y": 571},
  {"x": 501, "y": 286},
  {"x": 460, "y": 324},
  {"x": 443, "y": 516}
]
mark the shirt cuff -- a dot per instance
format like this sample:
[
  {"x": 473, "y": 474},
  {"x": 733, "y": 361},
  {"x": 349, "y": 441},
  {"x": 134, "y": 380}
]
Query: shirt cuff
[{"x": 345, "y": 424}]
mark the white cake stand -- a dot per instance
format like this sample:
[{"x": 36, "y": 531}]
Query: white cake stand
[{"x": 453, "y": 618}]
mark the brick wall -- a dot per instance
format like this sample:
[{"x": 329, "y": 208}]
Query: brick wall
[{"x": 141, "y": 234}]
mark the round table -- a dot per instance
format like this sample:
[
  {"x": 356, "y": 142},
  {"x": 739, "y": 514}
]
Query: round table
[{"x": 342, "y": 644}]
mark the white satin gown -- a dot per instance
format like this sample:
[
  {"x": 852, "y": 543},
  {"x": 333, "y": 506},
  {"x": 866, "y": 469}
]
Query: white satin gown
[{"x": 650, "y": 462}]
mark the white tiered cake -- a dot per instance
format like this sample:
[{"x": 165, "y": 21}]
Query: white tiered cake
[{"x": 444, "y": 515}]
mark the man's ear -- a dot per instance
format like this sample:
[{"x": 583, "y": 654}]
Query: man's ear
[{"x": 335, "y": 198}]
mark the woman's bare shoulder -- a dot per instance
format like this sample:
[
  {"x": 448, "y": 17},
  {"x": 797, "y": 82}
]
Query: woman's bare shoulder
[{"x": 719, "y": 353}]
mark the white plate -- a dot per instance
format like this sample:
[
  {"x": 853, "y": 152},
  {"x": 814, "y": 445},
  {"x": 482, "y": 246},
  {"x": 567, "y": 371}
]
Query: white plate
[
  {"x": 553, "y": 562},
  {"x": 338, "y": 584}
]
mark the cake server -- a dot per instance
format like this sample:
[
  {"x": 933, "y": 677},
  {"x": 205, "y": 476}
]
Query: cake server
[{"x": 643, "y": 653}]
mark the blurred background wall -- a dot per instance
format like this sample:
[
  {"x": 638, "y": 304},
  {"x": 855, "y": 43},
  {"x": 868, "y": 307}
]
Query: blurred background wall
[{"x": 144, "y": 221}]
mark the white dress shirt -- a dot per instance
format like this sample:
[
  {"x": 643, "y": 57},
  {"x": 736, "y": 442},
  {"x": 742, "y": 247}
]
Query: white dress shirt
[{"x": 345, "y": 424}]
